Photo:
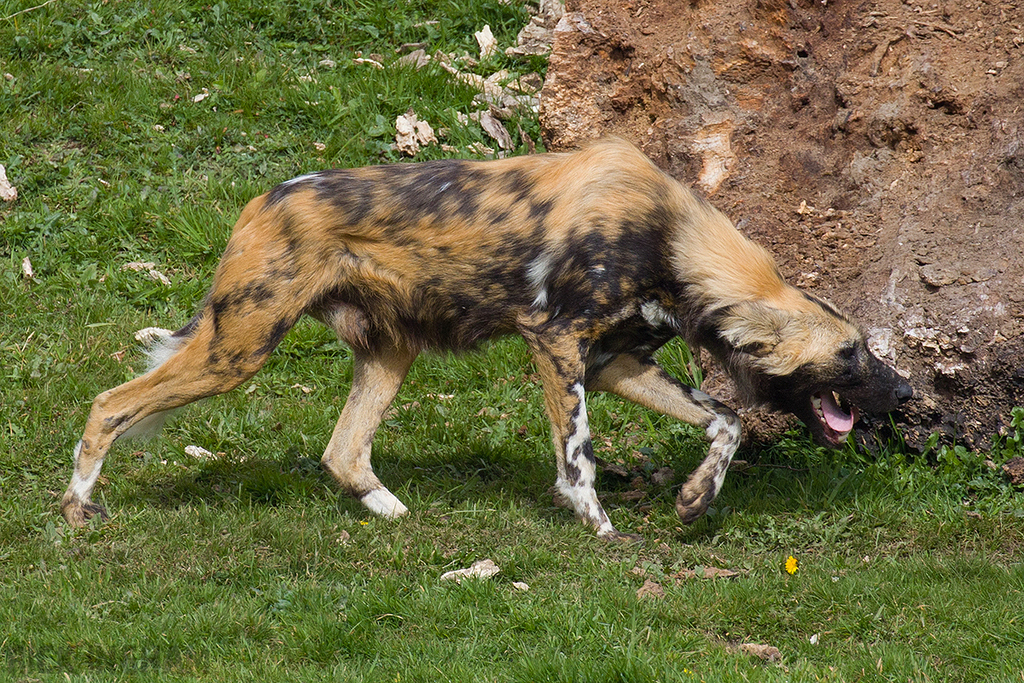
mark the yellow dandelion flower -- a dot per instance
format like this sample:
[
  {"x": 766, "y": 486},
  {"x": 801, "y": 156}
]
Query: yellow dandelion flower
[
  {"x": 364, "y": 523},
  {"x": 791, "y": 565}
]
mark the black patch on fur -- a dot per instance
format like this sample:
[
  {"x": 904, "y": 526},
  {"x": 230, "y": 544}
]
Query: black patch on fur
[
  {"x": 828, "y": 308},
  {"x": 432, "y": 190},
  {"x": 588, "y": 450},
  {"x": 633, "y": 336},
  {"x": 274, "y": 337},
  {"x": 539, "y": 210},
  {"x": 281, "y": 192},
  {"x": 350, "y": 193},
  {"x": 217, "y": 308},
  {"x": 642, "y": 243},
  {"x": 189, "y": 328},
  {"x": 572, "y": 473},
  {"x": 254, "y": 293},
  {"x": 704, "y": 328},
  {"x": 497, "y": 218},
  {"x": 115, "y": 421},
  {"x": 517, "y": 182}
]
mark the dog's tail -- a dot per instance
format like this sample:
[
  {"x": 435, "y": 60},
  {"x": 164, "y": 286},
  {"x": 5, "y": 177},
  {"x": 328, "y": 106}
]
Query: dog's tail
[{"x": 162, "y": 344}]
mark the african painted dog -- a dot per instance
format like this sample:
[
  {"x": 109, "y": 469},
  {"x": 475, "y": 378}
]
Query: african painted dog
[{"x": 596, "y": 258}]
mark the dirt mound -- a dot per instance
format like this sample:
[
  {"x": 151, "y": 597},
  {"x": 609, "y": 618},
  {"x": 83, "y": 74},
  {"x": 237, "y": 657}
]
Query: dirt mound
[{"x": 876, "y": 147}]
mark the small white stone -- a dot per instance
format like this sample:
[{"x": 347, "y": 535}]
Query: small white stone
[{"x": 482, "y": 569}]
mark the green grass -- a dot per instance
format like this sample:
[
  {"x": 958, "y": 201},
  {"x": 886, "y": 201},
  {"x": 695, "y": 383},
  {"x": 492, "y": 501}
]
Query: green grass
[{"x": 250, "y": 565}]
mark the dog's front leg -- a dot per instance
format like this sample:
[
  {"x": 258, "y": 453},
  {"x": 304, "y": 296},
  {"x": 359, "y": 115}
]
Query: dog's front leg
[
  {"x": 642, "y": 381},
  {"x": 560, "y": 364}
]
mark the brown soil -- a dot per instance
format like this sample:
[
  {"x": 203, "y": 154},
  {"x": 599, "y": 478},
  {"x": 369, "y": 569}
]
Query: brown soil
[{"x": 876, "y": 147}]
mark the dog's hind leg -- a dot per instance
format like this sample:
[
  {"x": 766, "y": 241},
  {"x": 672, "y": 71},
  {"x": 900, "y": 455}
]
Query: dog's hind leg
[
  {"x": 225, "y": 347},
  {"x": 642, "y": 381},
  {"x": 376, "y": 378}
]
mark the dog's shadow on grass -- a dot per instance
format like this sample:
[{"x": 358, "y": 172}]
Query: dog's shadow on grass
[
  {"x": 478, "y": 475},
  {"x": 467, "y": 477}
]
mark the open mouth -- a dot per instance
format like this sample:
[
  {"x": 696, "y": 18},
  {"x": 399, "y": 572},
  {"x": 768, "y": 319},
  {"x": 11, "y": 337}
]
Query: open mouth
[{"x": 835, "y": 421}]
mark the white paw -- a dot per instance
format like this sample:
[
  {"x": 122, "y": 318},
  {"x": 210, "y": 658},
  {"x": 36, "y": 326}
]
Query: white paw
[{"x": 383, "y": 503}]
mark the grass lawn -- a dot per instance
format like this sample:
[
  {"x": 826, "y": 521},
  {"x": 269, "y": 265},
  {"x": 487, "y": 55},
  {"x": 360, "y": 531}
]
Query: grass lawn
[{"x": 135, "y": 132}]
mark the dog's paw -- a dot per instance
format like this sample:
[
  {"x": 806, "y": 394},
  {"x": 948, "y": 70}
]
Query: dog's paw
[
  {"x": 78, "y": 513},
  {"x": 383, "y": 503},
  {"x": 615, "y": 536},
  {"x": 692, "y": 504}
]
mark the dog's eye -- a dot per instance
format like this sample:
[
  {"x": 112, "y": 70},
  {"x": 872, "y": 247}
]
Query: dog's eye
[{"x": 754, "y": 349}]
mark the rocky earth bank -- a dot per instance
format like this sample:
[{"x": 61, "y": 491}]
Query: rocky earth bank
[{"x": 876, "y": 147}]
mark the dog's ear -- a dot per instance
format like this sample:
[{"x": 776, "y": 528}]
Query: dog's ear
[{"x": 753, "y": 328}]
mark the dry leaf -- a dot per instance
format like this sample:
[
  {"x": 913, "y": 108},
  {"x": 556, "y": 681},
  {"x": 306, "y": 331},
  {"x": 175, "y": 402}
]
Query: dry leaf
[
  {"x": 495, "y": 129},
  {"x": 8, "y": 192},
  {"x": 536, "y": 37},
  {"x": 372, "y": 62},
  {"x": 487, "y": 42},
  {"x": 650, "y": 589},
  {"x": 198, "y": 452},
  {"x": 716, "y": 573},
  {"x": 615, "y": 469},
  {"x": 706, "y": 573},
  {"x": 1014, "y": 470},
  {"x": 26, "y": 266},
  {"x": 472, "y": 80},
  {"x": 159, "y": 277},
  {"x": 483, "y": 569},
  {"x": 663, "y": 476},
  {"x": 766, "y": 653},
  {"x": 411, "y": 133},
  {"x": 417, "y": 59},
  {"x": 528, "y": 83},
  {"x": 480, "y": 149}
]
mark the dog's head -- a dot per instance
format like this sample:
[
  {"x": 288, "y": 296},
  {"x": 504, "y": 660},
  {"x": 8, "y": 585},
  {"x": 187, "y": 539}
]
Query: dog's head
[{"x": 803, "y": 357}]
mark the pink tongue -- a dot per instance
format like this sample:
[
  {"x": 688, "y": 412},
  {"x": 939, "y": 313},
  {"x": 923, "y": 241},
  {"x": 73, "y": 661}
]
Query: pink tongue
[{"x": 834, "y": 415}]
